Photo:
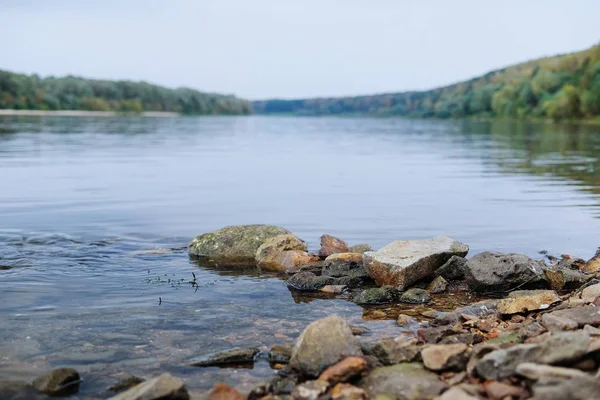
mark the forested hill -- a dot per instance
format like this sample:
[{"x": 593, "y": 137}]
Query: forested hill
[
  {"x": 30, "y": 92},
  {"x": 560, "y": 87}
]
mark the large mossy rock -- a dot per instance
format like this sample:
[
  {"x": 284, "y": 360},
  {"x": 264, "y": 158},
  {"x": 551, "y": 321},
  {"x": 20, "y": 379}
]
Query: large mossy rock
[
  {"x": 233, "y": 245},
  {"x": 404, "y": 262},
  {"x": 322, "y": 344}
]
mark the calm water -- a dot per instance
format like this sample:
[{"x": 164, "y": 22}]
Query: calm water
[{"x": 96, "y": 213}]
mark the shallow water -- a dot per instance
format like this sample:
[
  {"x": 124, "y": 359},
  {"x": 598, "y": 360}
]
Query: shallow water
[{"x": 96, "y": 214}]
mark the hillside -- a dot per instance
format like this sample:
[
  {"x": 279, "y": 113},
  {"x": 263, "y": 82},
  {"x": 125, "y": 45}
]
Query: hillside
[
  {"x": 30, "y": 92},
  {"x": 560, "y": 87}
]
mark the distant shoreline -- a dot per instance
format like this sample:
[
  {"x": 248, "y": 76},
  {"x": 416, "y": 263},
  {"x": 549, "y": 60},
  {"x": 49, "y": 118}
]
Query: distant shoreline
[{"x": 81, "y": 113}]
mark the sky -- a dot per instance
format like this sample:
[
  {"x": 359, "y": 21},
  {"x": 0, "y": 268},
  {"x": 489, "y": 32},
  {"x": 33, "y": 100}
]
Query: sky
[{"x": 260, "y": 49}]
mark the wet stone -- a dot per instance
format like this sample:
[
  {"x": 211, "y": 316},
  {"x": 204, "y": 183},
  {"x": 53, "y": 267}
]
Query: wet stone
[
  {"x": 344, "y": 264},
  {"x": 125, "y": 384},
  {"x": 308, "y": 282},
  {"x": 280, "y": 354},
  {"x": 415, "y": 296},
  {"x": 58, "y": 382},
  {"x": 163, "y": 387},
  {"x": 230, "y": 357},
  {"x": 381, "y": 295}
]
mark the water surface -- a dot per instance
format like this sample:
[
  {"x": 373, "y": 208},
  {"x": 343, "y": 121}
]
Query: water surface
[{"x": 96, "y": 214}]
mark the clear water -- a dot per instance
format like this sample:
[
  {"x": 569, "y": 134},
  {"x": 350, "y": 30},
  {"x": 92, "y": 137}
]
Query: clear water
[{"x": 96, "y": 213}]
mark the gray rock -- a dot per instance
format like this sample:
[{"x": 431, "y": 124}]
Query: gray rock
[
  {"x": 322, "y": 344},
  {"x": 233, "y": 245},
  {"x": 415, "y": 296},
  {"x": 382, "y": 295},
  {"x": 442, "y": 357},
  {"x": 310, "y": 390},
  {"x": 359, "y": 330},
  {"x": 535, "y": 372},
  {"x": 402, "y": 263},
  {"x": 453, "y": 269},
  {"x": 563, "y": 348},
  {"x": 556, "y": 383},
  {"x": 360, "y": 248},
  {"x": 345, "y": 264},
  {"x": 403, "y": 381},
  {"x": 554, "y": 323},
  {"x": 438, "y": 285},
  {"x": 586, "y": 315},
  {"x": 391, "y": 351},
  {"x": 58, "y": 382},
  {"x": 481, "y": 309},
  {"x": 492, "y": 271},
  {"x": 501, "y": 364},
  {"x": 234, "y": 357},
  {"x": 308, "y": 282},
  {"x": 126, "y": 383},
  {"x": 458, "y": 393},
  {"x": 18, "y": 390},
  {"x": 280, "y": 354},
  {"x": 163, "y": 387},
  {"x": 269, "y": 253}
]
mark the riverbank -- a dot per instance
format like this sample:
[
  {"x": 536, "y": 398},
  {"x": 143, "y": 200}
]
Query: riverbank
[{"x": 80, "y": 113}]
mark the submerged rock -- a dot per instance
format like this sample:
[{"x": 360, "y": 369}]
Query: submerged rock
[
  {"x": 403, "y": 381},
  {"x": 360, "y": 248},
  {"x": 415, "y": 296},
  {"x": 332, "y": 245},
  {"x": 521, "y": 301},
  {"x": 233, "y": 245},
  {"x": 163, "y": 387},
  {"x": 58, "y": 382},
  {"x": 382, "y": 295},
  {"x": 402, "y": 263},
  {"x": 493, "y": 271},
  {"x": 268, "y": 255},
  {"x": 235, "y": 356},
  {"x": 322, "y": 344},
  {"x": 308, "y": 282}
]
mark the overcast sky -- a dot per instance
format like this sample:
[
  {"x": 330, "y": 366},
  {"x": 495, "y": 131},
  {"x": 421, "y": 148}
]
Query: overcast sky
[{"x": 289, "y": 48}]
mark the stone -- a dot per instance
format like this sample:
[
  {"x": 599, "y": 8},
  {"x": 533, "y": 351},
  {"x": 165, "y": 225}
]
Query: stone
[
  {"x": 403, "y": 381},
  {"x": 360, "y": 248},
  {"x": 560, "y": 278},
  {"x": 126, "y": 383},
  {"x": 345, "y": 370},
  {"x": 457, "y": 393},
  {"x": 415, "y": 296},
  {"x": 443, "y": 357},
  {"x": 308, "y": 282},
  {"x": 404, "y": 319},
  {"x": 464, "y": 338},
  {"x": 481, "y": 309},
  {"x": 492, "y": 271},
  {"x": 535, "y": 372},
  {"x": 344, "y": 391},
  {"x": 18, "y": 390},
  {"x": 499, "y": 390},
  {"x": 438, "y": 285},
  {"x": 554, "y": 323},
  {"x": 394, "y": 351},
  {"x": 563, "y": 348},
  {"x": 345, "y": 264},
  {"x": 322, "y": 344},
  {"x": 163, "y": 387},
  {"x": 502, "y": 363},
  {"x": 382, "y": 295},
  {"x": 586, "y": 315},
  {"x": 229, "y": 357},
  {"x": 402, "y": 263},
  {"x": 593, "y": 265},
  {"x": 358, "y": 330},
  {"x": 590, "y": 293},
  {"x": 437, "y": 333},
  {"x": 280, "y": 354},
  {"x": 532, "y": 329},
  {"x": 521, "y": 301},
  {"x": 269, "y": 253},
  {"x": 233, "y": 245},
  {"x": 282, "y": 385},
  {"x": 333, "y": 289},
  {"x": 222, "y": 391},
  {"x": 290, "y": 259},
  {"x": 557, "y": 383},
  {"x": 506, "y": 338},
  {"x": 310, "y": 390},
  {"x": 58, "y": 382},
  {"x": 453, "y": 269},
  {"x": 332, "y": 245},
  {"x": 314, "y": 267}
]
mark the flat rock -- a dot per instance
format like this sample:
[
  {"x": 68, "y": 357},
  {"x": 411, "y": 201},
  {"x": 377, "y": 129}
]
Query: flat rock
[
  {"x": 492, "y": 271},
  {"x": 403, "y": 381},
  {"x": 404, "y": 262},
  {"x": 348, "y": 368},
  {"x": 163, "y": 387},
  {"x": 233, "y": 245},
  {"x": 360, "y": 248},
  {"x": 234, "y": 357},
  {"x": 58, "y": 382},
  {"x": 268, "y": 255},
  {"x": 438, "y": 285},
  {"x": 344, "y": 264},
  {"x": 322, "y": 344},
  {"x": 415, "y": 296},
  {"x": 332, "y": 245},
  {"x": 442, "y": 357},
  {"x": 382, "y": 295},
  {"x": 521, "y": 301},
  {"x": 586, "y": 315},
  {"x": 308, "y": 282}
]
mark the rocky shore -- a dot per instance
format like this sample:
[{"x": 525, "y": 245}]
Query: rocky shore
[{"x": 532, "y": 331}]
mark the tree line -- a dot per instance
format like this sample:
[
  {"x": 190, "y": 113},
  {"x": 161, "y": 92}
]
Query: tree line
[
  {"x": 559, "y": 87},
  {"x": 30, "y": 92}
]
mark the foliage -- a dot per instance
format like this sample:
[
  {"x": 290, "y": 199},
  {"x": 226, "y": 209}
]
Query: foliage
[
  {"x": 559, "y": 87},
  {"x": 18, "y": 91}
]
